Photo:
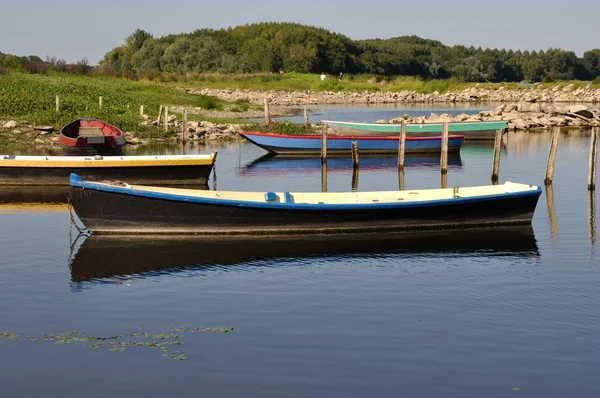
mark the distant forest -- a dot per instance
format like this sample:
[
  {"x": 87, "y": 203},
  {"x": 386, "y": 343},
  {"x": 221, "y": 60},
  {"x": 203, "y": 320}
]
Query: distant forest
[{"x": 274, "y": 47}]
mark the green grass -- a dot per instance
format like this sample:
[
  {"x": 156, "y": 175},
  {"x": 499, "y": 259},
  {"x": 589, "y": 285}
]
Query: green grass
[{"x": 31, "y": 98}]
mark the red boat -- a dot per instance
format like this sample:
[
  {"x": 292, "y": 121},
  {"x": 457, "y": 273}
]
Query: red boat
[{"x": 91, "y": 135}]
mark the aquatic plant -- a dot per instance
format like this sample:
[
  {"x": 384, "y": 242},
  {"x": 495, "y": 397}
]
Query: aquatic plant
[{"x": 120, "y": 342}]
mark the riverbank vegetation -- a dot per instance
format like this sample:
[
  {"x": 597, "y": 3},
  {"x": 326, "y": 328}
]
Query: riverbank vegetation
[{"x": 290, "y": 47}]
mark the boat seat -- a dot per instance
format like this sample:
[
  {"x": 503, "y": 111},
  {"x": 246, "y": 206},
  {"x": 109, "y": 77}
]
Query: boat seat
[{"x": 90, "y": 131}]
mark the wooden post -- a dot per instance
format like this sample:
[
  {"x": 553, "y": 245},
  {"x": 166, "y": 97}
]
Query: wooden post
[
  {"x": 305, "y": 116},
  {"x": 159, "y": 116},
  {"x": 552, "y": 156},
  {"x": 592, "y": 161},
  {"x": 166, "y": 121},
  {"x": 496, "y": 160},
  {"x": 324, "y": 177},
  {"x": 267, "y": 113},
  {"x": 551, "y": 211},
  {"x": 354, "y": 150},
  {"x": 141, "y": 110},
  {"x": 401, "y": 146},
  {"x": 355, "y": 178},
  {"x": 57, "y": 103},
  {"x": 324, "y": 143},
  {"x": 592, "y": 217},
  {"x": 444, "y": 180},
  {"x": 184, "y": 126},
  {"x": 444, "y": 157},
  {"x": 100, "y": 104},
  {"x": 401, "y": 179}
]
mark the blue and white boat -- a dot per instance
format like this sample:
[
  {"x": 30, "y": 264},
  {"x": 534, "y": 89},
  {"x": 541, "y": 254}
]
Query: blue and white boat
[
  {"x": 341, "y": 145},
  {"x": 115, "y": 208}
]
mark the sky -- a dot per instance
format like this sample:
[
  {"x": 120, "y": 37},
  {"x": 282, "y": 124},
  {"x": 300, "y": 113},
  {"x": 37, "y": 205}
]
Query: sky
[{"x": 74, "y": 30}]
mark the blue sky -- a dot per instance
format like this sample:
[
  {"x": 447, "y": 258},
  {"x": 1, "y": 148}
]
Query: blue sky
[{"x": 73, "y": 30}]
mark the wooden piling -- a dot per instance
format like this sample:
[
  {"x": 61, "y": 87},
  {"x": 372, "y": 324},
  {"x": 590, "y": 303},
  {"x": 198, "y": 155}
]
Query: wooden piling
[
  {"x": 444, "y": 180},
  {"x": 100, "y": 104},
  {"x": 592, "y": 217},
  {"x": 324, "y": 143},
  {"x": 267, "y": 112},
  {"x": 355, "y": 178},
  {"x": 141, "y": 110},
  {"x": 57, "y": 103},
  {"x": 305, "y": 116},
  {"x": 160, "y": 110},
  {"x": 401, "y": 179},
  {"x": 551, "y": 211},
  {"x": 496, "y": 159},
  {"x": 444, "y": 157},
  {"x": 166, "y": 121},
  {"x": 401, "y": 146},
  {"x": 184, "y": 126},
  {"x": 592, "y": 161},
  {"x": 354, "y": 149},
  {"x": 552, "y": 156},
  {"x": 324, "y": 177}
]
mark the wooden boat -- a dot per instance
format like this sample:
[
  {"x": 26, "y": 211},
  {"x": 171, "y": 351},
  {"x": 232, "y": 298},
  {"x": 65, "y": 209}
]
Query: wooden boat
[
  {"x": 146, "y": 209},
  {"x": 270, "y": 165},
  {"x": 341, "y": 145},
  {"x": 470, "y": 130},
  {"x": 110, "y": 256},
  {"x": 91, "y": 135},
  {"x": 55, "y": 170}
]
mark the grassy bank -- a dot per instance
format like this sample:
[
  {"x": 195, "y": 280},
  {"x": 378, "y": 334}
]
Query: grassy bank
[{"x": 31, "y": 98}]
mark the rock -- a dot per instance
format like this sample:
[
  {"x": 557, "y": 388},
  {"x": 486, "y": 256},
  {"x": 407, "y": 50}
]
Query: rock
[
  {"x": 44, "y": 128},
  {"x": 577, "y": 109},
  {"x": 10, "y": 124},
  {"x": 133, "y": 140},
  {"x": 39, "y": 141}
]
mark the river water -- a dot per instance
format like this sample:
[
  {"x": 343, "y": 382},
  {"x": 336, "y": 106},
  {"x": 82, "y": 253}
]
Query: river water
[{"x": 493, "y": 313}]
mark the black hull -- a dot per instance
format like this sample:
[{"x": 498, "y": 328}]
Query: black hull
[
  {"x": 151, "y": 175},
  {"x": 122, "y": 213},
  {"x": 102, "y": 256}
]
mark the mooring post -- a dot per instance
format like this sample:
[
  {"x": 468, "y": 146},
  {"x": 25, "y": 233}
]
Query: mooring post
[
  {"x": 166, "y": 121},
  {"x": 592, "y": 162},
  {"x": 159, "y": 116},
  {"x": 305, "y": 116},
  {"x": 444, "y": 181},
  {"x": 552, "y": 156},
  {"x": 355, "y": 178},
  {"x": 324, "y": 143},
  {"x": 354, "y": 149},
  {"x": 324, "y": 177},
  {"x": 401, "y": 144},
  {"x": 401, "y": 179},
  {"x": 551, "y": 211},
  {"x": 100, "y": 104},
  {"x": 57, "y": 103},
  {"x": 184, "y": 126},
  {"x": 267, "y": 112},
  {"x": 141, "y": 110},
  {"x": 496, "y": 160},
  {"x": 592, "y": 217},
  {"x": 444, "y": 157}
]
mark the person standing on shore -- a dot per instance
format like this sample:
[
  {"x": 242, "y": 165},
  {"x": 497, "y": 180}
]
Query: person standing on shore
[{"x": 322, "y": 76}]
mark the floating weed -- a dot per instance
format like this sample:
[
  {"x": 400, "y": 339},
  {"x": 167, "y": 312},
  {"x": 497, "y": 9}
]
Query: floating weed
[
  {"x": 112, "y": 343},
  {"x": 516, "y": 389}
]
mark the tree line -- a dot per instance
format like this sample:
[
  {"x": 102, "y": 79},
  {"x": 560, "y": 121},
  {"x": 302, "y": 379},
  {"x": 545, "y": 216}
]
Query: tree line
[{"x": 274, "y": 47}]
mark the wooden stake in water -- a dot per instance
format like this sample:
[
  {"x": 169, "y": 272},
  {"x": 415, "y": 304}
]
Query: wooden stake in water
[
  {"x": 267, "y": 112},
  {"x": 305, "y": 116},
  {"x": 496, "y": 160},
  {"x": 166, "y": 121},
  {"x": 57, "y": 103},
  {"x": 552, "y": 156},
  {"x": 401, "y": 146},
  {"x": 324, "y": 177},
  {"x": 444, "y": 157},
  {"x": 184, "y": 126},
  {"x": 354, "y": 150},
  {"x": 444, "y": 180},
  {"x": 355, "y": 178},
  {"x": 100, "y": 104},
  {"x": 551, "y": 211},
  {"x": 401, "y": 179},
  {"x": 592, "y": 161},
  {"x": 592, "y": 217},
  {"x": 324, "y": 143}
]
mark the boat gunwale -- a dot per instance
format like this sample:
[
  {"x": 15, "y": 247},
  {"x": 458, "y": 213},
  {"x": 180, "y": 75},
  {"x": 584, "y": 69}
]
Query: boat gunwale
[
  {"x": 139, "y": 191},
  {"x": 487, "y": 122},
  {"x": 350, "y": 137}
]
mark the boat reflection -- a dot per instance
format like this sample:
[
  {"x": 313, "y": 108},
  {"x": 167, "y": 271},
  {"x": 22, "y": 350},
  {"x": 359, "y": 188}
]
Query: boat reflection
[
  {"x": 276, "y": 164},
  {"x": 115, "y": 256},
  {"x": 34, "y": 198}
]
